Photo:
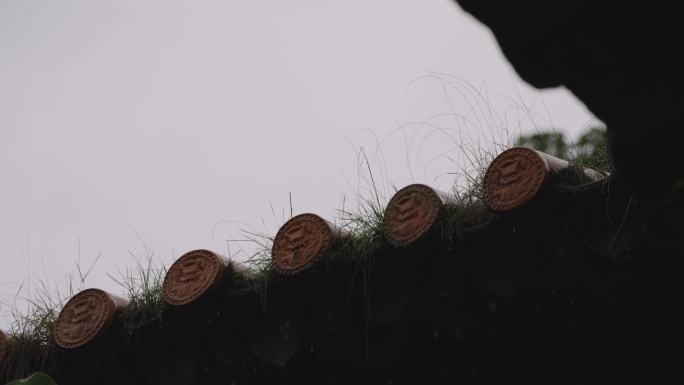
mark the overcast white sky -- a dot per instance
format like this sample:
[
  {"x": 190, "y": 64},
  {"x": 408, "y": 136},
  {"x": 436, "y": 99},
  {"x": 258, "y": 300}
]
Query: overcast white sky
[{"x": 165, "y": 119}]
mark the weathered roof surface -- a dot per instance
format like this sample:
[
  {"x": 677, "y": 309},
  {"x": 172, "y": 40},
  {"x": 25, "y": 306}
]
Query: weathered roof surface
[{"x": 572, "y": 285}]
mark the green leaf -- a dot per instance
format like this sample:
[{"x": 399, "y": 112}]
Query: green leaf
[{"x": 37, "y": 378}]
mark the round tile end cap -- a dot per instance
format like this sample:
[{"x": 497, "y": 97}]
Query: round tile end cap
[
  {"x": 300, "y": 243},
  {"x": 192, "y": 276},
  {"x": 514, "y": 178},
  {"x": 410, "y": 214}
]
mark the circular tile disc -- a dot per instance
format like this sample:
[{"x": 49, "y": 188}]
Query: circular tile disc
[
  {"x": 191, "y": 276},
  {"x": 410, "y": 214},
  {"x": 300, "y": 242},
  {"x": 514, "y": 178},
  {"x": 86, "y": 316}
]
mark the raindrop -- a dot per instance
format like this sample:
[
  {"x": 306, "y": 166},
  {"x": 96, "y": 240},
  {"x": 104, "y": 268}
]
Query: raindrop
[{"x": 492, "y": 306}]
